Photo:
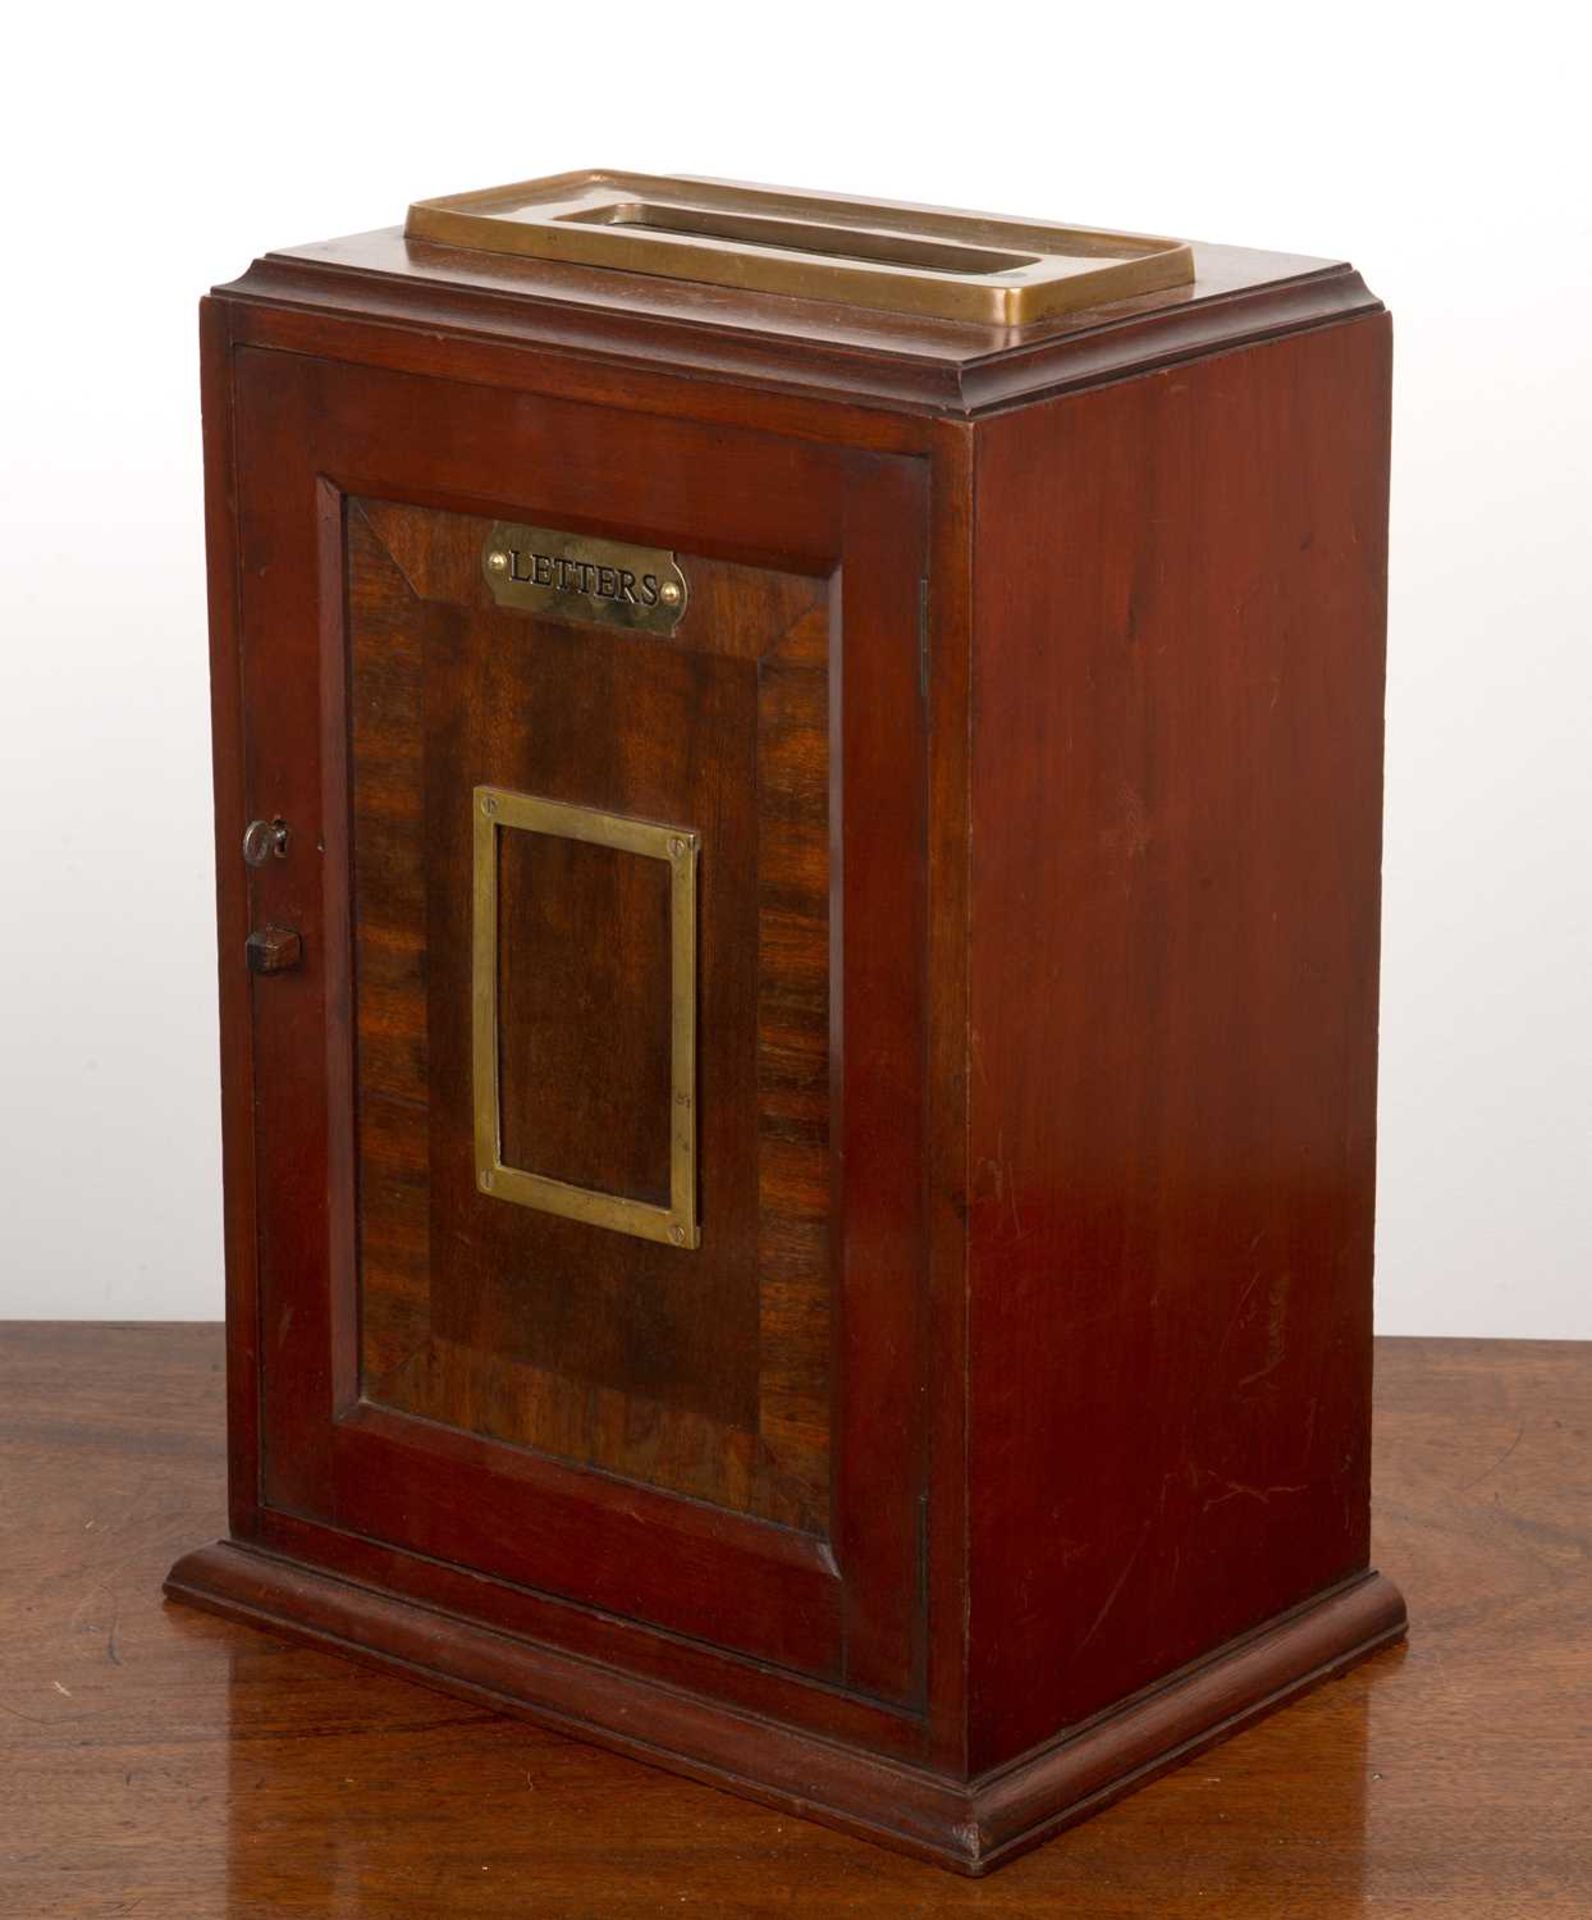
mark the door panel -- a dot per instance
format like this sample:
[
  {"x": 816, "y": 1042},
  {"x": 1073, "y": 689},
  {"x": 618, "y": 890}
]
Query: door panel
[
  {"x": 700, "y": 858},
  {"x": 702, "y": 1369}
]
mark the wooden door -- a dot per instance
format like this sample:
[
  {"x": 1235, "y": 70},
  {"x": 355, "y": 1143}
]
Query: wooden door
[{"x": 587, "y": 1135}]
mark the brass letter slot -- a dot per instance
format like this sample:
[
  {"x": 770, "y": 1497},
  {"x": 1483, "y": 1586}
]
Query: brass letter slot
[
  {"x": 498, "y": 811},
  {"x": 865, "y": 253}
]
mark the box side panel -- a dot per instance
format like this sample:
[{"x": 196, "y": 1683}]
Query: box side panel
[{"x": 1176, "y": 796}]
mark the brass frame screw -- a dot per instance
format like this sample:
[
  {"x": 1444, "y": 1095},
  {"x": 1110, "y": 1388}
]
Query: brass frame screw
[{"x": 498, "y": 561}]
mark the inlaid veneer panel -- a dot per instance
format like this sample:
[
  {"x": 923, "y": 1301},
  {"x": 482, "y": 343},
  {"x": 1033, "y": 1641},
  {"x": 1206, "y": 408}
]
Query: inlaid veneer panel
[{"x": 705, "y": 1371}]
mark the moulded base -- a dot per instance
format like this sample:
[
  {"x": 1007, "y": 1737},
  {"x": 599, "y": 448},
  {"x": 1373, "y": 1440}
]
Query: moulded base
[{"x": 970, "y": 1826}]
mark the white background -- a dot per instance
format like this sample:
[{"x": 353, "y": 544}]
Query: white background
[{"x": 150, "y": 152}]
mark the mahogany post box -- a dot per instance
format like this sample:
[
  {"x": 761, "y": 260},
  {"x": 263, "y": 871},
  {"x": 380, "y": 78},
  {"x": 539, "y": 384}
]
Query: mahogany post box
[{"x": 799, "y": 793}]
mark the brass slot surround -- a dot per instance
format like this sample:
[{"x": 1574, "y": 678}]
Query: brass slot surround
[
  {"x": 868, "y": 253},
  {"x": 495, "y": 810}
]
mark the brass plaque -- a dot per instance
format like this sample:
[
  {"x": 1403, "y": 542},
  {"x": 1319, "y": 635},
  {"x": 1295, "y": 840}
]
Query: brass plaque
[
  {"x": 497, "y": 810},
  {"x": 574, "y": 577}
]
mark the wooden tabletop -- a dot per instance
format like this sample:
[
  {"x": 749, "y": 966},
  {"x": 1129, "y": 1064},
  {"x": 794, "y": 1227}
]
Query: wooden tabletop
[{"x": 159, "y": 1762}]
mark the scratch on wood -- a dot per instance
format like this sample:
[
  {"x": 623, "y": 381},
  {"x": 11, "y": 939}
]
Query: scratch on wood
[{"x": 1486, "y": 1471}]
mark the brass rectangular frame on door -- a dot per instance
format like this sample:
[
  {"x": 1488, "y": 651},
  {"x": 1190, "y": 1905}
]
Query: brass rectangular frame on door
[{"x": 498, "y": 810}]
